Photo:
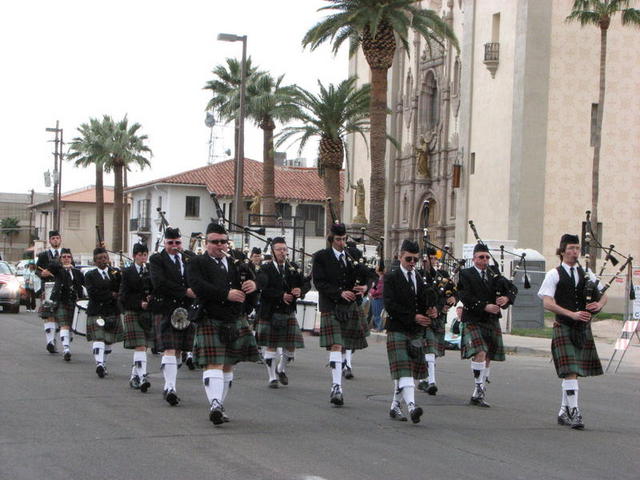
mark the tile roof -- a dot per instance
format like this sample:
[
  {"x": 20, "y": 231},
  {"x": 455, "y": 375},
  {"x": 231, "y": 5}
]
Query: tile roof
[
  {"x": 292, "y": 183},
  {"x": 82, "y": 195}
]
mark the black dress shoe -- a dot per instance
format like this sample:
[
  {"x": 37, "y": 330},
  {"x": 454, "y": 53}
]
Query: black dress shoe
[
  {"x": 423, "y": 386},
  {"x": 172, "y": 398},
  {"x": 432, "y": 389},
  {"x": 273, "y": 384},
  {"x": 576, "y": 419},
  {"x": 51, "y": 348},
  {"x": 144, "y": 384},
  {"x": 101, "y": 371},
  {"x": 396, "y": 414},
  {"x": 479, "y": 402},
  {"x": 134, "y": 382},
  {"x": 336, "y": 397},
  {"x": 216, "y": 415},
  {"x": 564, "y": 418},
  {"x": 190, "y": 364},
  {"x": 67, "y": 356},
  {"x": 282, "y": 377},
  {"x": 347, "y": 372},
  {"x": 415, "y": 413},
  {"x": 225, "y": 417}
]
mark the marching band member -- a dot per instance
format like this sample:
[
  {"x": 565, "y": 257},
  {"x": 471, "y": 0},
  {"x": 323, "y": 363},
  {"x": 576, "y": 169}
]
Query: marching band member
[
  {"x": 167, "y": 270},
  {"x": 281, "y": 284},
  {"x": 406, "y": 301},
  {"x": 436, "y": 330},
  {"x": 256, "y": 256},
  {"x": 341, "y": 318},
  {"x": 103, "y": 315},
  {"x": 573, "y": 349},
  {"x": 67, "y": 289},
  {"x": 223, "y": 337},
  {"x": 481, "y": 334},
  {"x": 52, "y": 254},
  {"x": 135, "y": 294}
]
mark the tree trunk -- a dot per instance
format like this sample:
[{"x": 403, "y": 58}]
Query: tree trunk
[
  {"x": 595, "y": 173},
  {"x": 378, "y": 145},
  {"x": 99, "y": 202},
  {"x": 125, "y": 215},
  {"x": 117, "y": 208},
  {"x": 332, "y": 188},
  {"x": 268, "y": 168}
]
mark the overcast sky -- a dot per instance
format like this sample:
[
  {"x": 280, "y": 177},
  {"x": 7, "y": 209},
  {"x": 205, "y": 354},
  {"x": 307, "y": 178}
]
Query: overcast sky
[{"x": 70, "y": 60}]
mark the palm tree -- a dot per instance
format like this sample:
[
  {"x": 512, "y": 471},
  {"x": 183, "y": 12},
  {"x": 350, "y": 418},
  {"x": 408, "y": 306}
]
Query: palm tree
[
  {"x": 374, "y": 25},
  {"x": 600, "y": 13},
  {"x": 86, "y": 150},
  {"x": 10, "y": 226},
  {"x": 329, "y": 116},
  {"x": 268, "y": 101}
]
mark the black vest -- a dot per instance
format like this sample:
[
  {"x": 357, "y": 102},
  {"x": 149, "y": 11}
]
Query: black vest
[{"x": 568, "y": 295}]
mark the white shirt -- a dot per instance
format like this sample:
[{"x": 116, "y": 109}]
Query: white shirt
[
  {"x": 337, "y": 254},
  {"x": 173, "y": 259},
  {"x": 102, "y": 272},
  {"x": 53, "y": 252},
  {"x": 486, "y": 274},
  {"x": 551, "y": 279},
  {"x": 222, "y": 260},
  {"x": 413, "y": 277}
]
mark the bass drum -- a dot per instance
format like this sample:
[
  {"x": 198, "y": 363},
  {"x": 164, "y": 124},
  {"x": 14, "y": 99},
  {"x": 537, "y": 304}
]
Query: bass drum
[{"x": 79, "y": 325}]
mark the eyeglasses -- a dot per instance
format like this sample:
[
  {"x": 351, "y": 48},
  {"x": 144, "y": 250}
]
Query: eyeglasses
[
  {"x": 174, "y": 242},
  {"x": 486, "y": 257},
  {"x": 412, "y": 259},
  {"x": 218, "y": 242}
]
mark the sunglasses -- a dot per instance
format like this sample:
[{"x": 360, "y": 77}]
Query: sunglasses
[
  {"x": 412, "y": 259},
  {"x": 174, "y": 242},
  {"x": 484, "y": 257},
  {"x": 218, "y": 242}
]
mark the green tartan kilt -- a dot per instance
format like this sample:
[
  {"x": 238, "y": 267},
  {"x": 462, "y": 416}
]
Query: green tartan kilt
[
  {"x": 568, "y": 359},
  {"x": 482, "y": 337},
  {"x": 400, "y": 362},
  {"x": 288, "y": 338},
  {"x": 96, "y": 333},
  {"x": 64, "y": 314},
  {"x": 434, "y": 335},
  {"x": 168, "y": 338},
  {"x": 138, "y": 329},
  {"x": 351, "y": 334},
  {"x": 210, "y": 350}
]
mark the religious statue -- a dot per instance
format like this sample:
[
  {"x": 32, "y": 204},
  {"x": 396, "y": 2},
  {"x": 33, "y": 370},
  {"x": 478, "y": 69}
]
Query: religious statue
[
  {"x": 255, "y": 205},
  {"x": 422, "y": 160},
  {"x": 360, "y": 217}
]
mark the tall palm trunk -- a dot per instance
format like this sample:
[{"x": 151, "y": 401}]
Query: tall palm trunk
[
  {"x": 595, "y": 173},
  {"x": 268, "y": 167},
  {"x": 117, "y": 207},
  {"x": 99, "y": 202},
  {"x": 378, "y": 144},
  {"x": 125, "y": 219},
  {"x": 332, "y": 187}
]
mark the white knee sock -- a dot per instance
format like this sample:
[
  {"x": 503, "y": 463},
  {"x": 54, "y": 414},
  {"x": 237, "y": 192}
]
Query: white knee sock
[
  {"x": 228, "y": 381},
  {"x": 485, "y": 374},
  {"x": 286, "y": 357},
  {"x": 169, "y": 366},
  {"x": 346, "y": 357},
  {"x": 270, "y": 363},
  {"x": 430, "y": 358},
  {"x": 98, "y": 352},
  {"x": 50, "y": 331},
  {"x": 140, "y": 362},
  {"x": 213, "y": 381},
  {"x": 397, "y": 395},
  {"x": 179, "y": 359},
  {"x": 478, "y": 374},
  {"x": 407, "y": 388},
  {"x": 571, "y": 389},
  {"x": 335, "y": 361},
  {"x": 65, "y": 338}
]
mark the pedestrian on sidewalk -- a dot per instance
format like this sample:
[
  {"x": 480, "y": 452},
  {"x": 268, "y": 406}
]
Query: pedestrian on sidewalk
[
  {"x": 377, "y": 299},
  {"x": 32, "y": 285}
]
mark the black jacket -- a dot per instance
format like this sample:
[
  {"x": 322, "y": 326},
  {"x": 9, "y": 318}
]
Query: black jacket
[
  {"x": 169, "y": 286},
  {"x": 45, "y": 258},
  {"x": 65, "y": 290},
  {"x": 331, "y": 280},
  {"x": 402, "y": 304},
  {"x": 102, "y": 300},
  {"x": 475, "y": 295},
  {"x": 211, "y": 284},
  {"x": 134, "y": 289},
  {"x": 273, "y": 286}
]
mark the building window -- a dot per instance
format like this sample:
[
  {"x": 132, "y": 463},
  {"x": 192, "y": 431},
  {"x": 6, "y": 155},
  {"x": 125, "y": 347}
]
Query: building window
[
  {"x": 192, "y": 207},
  {"x": 430, "y": 104},
  {"x": 73, "y": 219},
  {"x": 143, "y": 208},
  {"x": 160, "y": 203},
  {"x": 283, "y": 210},
  {"x": 313, "y": 216},
  {"x": 456, "y": 77},
  {"x": 472, "y": 163},
  {"x": 594, "y": 123},
  {"x": 452, "y": 209},
  {"x": 405, "y": 208}
]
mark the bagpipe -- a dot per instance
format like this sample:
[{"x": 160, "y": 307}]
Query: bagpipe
[
  {"x": 442, "y": 282},
  {"x": 100, "y": 244}
]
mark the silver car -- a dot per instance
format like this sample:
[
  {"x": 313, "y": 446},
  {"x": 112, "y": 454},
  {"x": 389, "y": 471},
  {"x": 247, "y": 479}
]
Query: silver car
[{"x": 9, "y": 288}]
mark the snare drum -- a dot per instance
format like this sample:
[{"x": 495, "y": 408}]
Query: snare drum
[{"x": 79, "y": 325}]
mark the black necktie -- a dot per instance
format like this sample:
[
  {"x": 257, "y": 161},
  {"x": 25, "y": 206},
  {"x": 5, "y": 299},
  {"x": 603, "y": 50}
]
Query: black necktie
[
  {"x": 573, "y": 278},
  {"x": 281, "y": 270},
  {"x": 413, "y": 288},
  {"x": 140, "y": 270},
  {"x": 341, "y": 260},
  {"x": 176, "y": 259},
  {"x": 484, "y": 277},
  {"x": 55, "y": 254},
  {"x": 105, "y": 275},
  {"x": 219, "y": 260}
]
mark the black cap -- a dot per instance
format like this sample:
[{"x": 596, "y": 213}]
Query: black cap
[
  {"x": 431, "y": 251},
  {"x": 567, "y": 239},
  {"x": 409, "y": 246},
  {"x": 338, "y": 229},
  {"x": 140, "y": 248},
  {"x": 216, "y": 228},
  {"x": 98, "y": 251},
  {"x": 278, "y": 240},
  {"x": 480, "y": 247},
  {"x": 54, "y": 233},
  {"x": 256, "y": 251},
  {"x": 65, "y": 251},
  {"x": 172, "y": 233}
]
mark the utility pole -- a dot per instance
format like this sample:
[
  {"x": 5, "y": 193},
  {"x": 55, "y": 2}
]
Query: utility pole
[{"x": 57, "y": 173}]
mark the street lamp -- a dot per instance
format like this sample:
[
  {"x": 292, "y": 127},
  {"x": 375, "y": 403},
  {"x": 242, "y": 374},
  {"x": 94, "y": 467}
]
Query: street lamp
[
  {"x": 57, "y": 173},
  {"x": 238, "y": 198}
]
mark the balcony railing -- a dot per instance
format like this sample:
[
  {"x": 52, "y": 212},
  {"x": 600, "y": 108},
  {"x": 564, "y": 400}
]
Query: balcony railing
[
  {"x": 492, "y": 57},
  {"x": 142, "y": 224}
]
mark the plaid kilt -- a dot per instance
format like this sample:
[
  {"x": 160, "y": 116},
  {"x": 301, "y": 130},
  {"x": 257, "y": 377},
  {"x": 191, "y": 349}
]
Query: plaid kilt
[
  {"x": 290, "y": 337},
  {"x": 40, "y": 312},
  {"x": 482, "y": 337},
  {"x": 351, "y": 335},
  {"x": 434, "y": 335},
  {"x": 95, "y": 333},
  {"x": 568, "y": 359},
  {"x": 168, "y": 338},
  {"x": 138, "y": 329},
  {"x": 210, "y": 350},
  {"x": 64, "y": 314},
  {"x": 400, "y": 362}
]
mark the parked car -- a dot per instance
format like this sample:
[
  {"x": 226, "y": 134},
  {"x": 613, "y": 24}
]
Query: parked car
[{"x": 10, "y": 289}]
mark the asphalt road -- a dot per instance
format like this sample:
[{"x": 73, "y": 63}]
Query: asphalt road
[{"x": 59, "y": 421}]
